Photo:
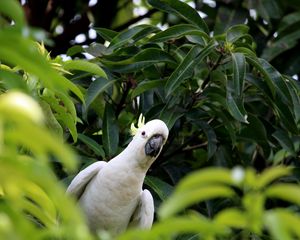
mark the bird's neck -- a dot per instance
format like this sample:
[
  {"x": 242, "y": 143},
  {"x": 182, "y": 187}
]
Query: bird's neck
[{"x": 136, "y": 158}]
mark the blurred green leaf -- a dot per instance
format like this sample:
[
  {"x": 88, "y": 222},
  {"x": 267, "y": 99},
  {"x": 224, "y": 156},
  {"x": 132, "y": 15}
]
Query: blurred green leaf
[
  {"x": 13, "y": 10},
  {"x": 284, "y": 191},
  {"x": 272, "y": 174},
  {"x": 183, "y": 199},
  {"x": 232, "y": 217}
]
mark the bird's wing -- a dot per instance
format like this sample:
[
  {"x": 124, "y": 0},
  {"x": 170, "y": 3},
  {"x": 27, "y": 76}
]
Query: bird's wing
[
  {"x": 81, "y": 180},
  {"x": 144, "y": 213}
]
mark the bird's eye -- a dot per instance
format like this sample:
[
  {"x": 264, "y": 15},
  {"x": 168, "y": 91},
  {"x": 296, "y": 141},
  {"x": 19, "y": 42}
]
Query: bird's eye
[{"x": 143, "y": 133}]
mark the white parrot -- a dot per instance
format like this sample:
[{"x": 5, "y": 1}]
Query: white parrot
[{"x": 111, "y": 194}]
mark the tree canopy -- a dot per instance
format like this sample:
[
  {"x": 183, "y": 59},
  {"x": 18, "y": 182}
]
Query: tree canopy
[{"x": 223, "y": 76}]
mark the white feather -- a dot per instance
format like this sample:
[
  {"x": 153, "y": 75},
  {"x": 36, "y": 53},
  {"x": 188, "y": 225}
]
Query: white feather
[{"x": 111, "y": 194}]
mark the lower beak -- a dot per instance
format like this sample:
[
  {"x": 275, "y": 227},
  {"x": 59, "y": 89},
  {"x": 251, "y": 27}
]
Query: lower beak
[{"x": 154, "y": 145}]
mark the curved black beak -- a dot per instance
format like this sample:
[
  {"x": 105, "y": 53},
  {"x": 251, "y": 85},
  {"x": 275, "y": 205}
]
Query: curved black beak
[{"x": 154, "y": 145}]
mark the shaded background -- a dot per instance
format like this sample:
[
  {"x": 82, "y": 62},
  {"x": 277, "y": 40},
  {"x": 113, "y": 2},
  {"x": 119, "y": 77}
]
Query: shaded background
[{"x": 68, "y": 21}]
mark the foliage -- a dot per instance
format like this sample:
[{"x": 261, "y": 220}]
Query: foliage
[{"x": 214, "y": 85}]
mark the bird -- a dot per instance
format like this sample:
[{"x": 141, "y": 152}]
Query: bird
[{"x": 110, "y": 193}]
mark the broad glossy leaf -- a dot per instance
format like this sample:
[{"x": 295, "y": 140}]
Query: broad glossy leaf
[
  {"x": 236, "y": 32},
  {"x": 285, "y": 141},
  {"x": 161, "y": 188},
  {"x": 272, "y": 77},
  {"x": 131, "y": 35},
  {"x": 239, "y": 71},
  {"x": 236, "y": 108},
  {"x": 186, "y": 67},
  {"x": 182, "y": 10},
  {"x": 211, "y": 138},
  {"x": 97, "y": 87},
  {"x": 147, "y": 85},
  {"x": 178, "y": 31},
  {"x": 92, "y": 144},
  {"x": 110, "y": 131},
  {"x": 106, "y": 34},
  {"x": 179, "y": 201},
  {"x": 143, "y": 59},
  {"x": 170, "y": 116},
  {"x": 86, "y": 66}
]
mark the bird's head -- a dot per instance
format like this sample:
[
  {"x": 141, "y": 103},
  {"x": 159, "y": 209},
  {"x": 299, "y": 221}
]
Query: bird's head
[{"x": 150, "y": 138}]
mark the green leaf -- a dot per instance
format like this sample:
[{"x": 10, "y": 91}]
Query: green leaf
[
  {"x": 284, "y": 191},
  {"x": 143, "y": 59},
  {"x": 170, "y": 116},
  {"x": 131, "y": 35},
  {"x": 106, "y": 34},
  {"x": 211, "y": 138},
  {"x": 285, "y": 141},
  {"x": 147, "y": 85},
  {"x": 178, "y": 31},
  {"x": 86, "y": 66},
  {"x": 97, "y": 87},
  {"x": 236, "y": 108},
  {"x": 239, "y": 71},
  {"x": 179, "y": 201},
  {"x": 182, "y": 10},
  {"x": 161, "y": 188},
  {"x": 281, "y": 45},
  {"x": 186, "y": 67},
  {"x": 12, "y": 80},
  {"x": 272, "y": 77},
  {"x": 13, "y": 10},
  {"x": 25, "y": 55},
  {"x": 92, "y": 144},
  {"x": 236, "y": 32},
  {"x": 110, "y": 136}
]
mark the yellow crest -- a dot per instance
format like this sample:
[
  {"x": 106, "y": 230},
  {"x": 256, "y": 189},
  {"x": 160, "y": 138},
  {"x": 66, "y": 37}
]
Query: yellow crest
[{"x": 141, "y": 122}]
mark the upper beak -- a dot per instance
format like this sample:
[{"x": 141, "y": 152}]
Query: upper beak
[{"x": 154, "y": 145}]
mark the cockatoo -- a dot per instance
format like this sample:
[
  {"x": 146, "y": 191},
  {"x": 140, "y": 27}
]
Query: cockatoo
[{"x": 110, "y": 193}]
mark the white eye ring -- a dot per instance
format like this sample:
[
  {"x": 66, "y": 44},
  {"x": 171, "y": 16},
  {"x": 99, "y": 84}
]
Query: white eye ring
[{"x": 143, "y": 133}]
